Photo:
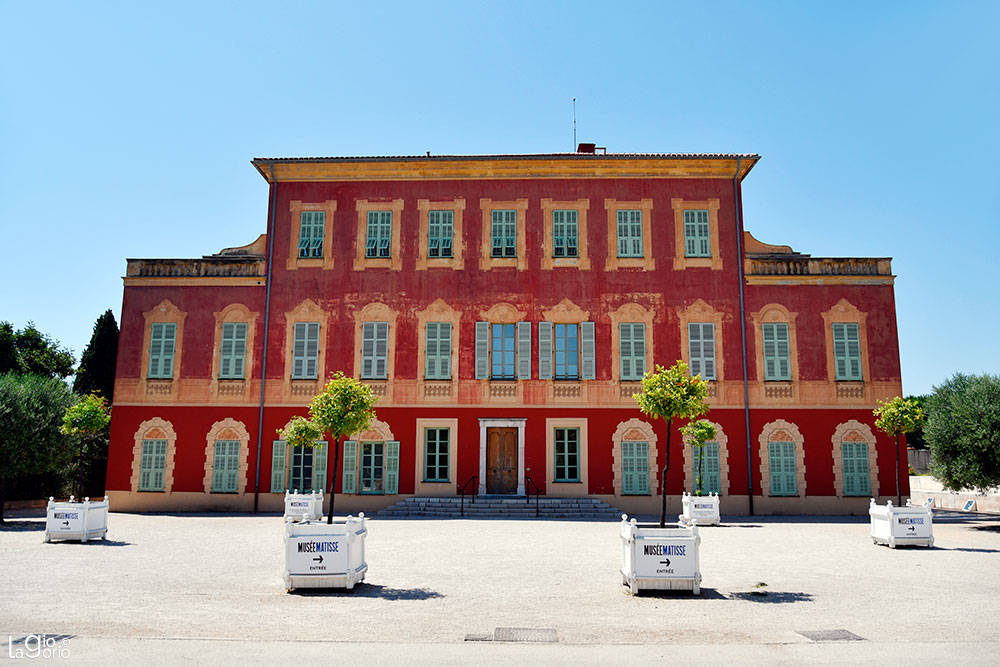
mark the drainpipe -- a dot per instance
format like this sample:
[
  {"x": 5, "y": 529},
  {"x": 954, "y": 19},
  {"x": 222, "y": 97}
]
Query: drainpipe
[
  {"x": 743, "y": 326},
  {"x": 267, "y": 322}
]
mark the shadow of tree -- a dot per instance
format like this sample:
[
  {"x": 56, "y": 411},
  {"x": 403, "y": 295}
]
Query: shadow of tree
[
  {"x": 364, "y": 590},
  {"x": 969, "y": 549},
  {"x": 772, "y": 597}
]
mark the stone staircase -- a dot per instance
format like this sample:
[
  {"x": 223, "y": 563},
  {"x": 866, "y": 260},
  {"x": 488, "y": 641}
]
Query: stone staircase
[{"x": 505, "y": 507}]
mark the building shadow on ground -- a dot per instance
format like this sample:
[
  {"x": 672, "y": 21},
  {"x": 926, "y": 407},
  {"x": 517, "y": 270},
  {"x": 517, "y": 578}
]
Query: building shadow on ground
[{"x": 21, "y": 526}]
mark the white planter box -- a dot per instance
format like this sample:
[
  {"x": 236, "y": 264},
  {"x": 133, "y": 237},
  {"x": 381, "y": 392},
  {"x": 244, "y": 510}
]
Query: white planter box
[
  {"x": 321, "y": 555},
  {"x": 701, "y": 509},
  {"x": 303, "y": 506},
  {"x": 910, "y": 524},
  {"x": 76, "y": 521},
  {"x": 660, "y": 558}
]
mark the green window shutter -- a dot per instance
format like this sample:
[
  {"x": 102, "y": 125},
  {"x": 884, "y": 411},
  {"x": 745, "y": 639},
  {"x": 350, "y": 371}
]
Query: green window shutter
[
  {"x": 146, "y": 466},
  {"x": 482, "y": 350},
  {"x": 565, "y": 232},
  {"x": 440, "y": 230},
  {"x": 545, "y": 350},
  {"x": 152, "y": 465},
  {"x": 232, "y": 355},
  {"x": 629, "y": 233},
  {"x": 588, "y": 367},
  {"x": 375, "y": 350},
  {"x": 783, "y": 475},
  {"x": 311, "y": 230},
  {"x": 392, "y": 467},
  {"x": 503, "y": 227},
  {"x": 701, "y": 349},
  {"x": 697, "y": 237},
  {"x": 161, "y": 349},
  {"x": 278, "y": 466},
  {"x": 635, "y": 468},
  {"x": 350, "y": 466},
  {"x": 437, "y": 355},
  {"x": 524, "y": 350},
  {"x": 320, "y": 456},
  {"x": 710, "y": 468},
  {"x": 219, "y": 467},
  {"x": 159, "y": 464},
  {"x": 232, "y": 481},
  {"x": 855, "y": 467},
  {"x": 305, "y": 350},
  {"x": 312, "y": 350},
  {"x": 368, "y": 350},
  {"x": 632, "y": 350},
  {"x": 777, "y": 362},
  {"x": 847, "y": 350},
  {"x": 382, "y": 350}
]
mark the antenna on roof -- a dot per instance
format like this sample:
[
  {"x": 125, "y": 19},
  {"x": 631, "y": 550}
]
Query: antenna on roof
[{"x": 574, "y": 123}]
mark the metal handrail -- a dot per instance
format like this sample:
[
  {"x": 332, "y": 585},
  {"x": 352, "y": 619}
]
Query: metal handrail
[
  {"x": 461, "y": 491},
  {"x": 527, "y": 492}
]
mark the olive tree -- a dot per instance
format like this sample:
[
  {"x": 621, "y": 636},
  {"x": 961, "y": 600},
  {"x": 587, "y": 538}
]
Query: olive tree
[
  {"x": 963, "y": 431},
  {"x": 670, "y": 393},
  {"x": 31, "y": 409},
  {"x": 344, "y": 407},
  {"x": 896, "y": 418}
]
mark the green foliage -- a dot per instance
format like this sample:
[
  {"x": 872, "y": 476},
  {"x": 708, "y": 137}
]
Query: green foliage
[
  {"x": 898, "y": 416},
  {"x": 915, "y": 438},
  {"x": 90, "y": 416},
  {"x": 696, "y": 433},
  {"x": 963, "y": 431},
  {"x": 301, "y": 432},
  {"x": 31, "y": 351},
  {"x": 96, "y": 372},
  {"x": 345, "y": 406},
  {"x": 31, "y": 410},
  {"x": 670, "y": 393}
]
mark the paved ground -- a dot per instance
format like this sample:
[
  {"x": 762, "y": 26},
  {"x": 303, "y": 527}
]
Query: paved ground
[{"x": 171, "y": 588}]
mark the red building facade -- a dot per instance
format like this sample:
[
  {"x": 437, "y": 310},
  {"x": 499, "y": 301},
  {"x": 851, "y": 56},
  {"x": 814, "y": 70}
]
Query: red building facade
[{"x": 503, "y": 309}]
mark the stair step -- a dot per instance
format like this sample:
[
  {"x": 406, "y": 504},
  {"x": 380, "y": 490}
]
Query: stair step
[{"x": 493, "y": 507}]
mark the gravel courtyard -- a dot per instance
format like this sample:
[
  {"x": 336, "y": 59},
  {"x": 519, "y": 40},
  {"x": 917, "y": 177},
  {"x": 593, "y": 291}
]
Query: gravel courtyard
[{"x": 450, "y": 584}]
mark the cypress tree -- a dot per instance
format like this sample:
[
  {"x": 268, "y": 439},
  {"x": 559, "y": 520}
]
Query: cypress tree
[{"x": 97, "y": 365}]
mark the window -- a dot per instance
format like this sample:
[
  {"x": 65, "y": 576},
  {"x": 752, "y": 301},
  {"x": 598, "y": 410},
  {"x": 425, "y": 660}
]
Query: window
[
  {"x": 311, "y": 230},
  {"x": 567, "y": 455},
  {"x": 378, "y": 471},
  {"x": 436, "y": 454},
  {"x": 855, "y": 461},
  {"x": 847, "y": 350},
  {"x": 781, "y": 459},
  {"x": 437, "y": 358},
  {"x": 629, "y": 233},
  {"x": 152, "y": 465},
  {"x": 226, "y": 466},
  {"x": 502, "y": 348},
  {"x": 777, "y": 362},
  {"x": 161, "y": 350},
  {"x": 706, "y": 468},
  {"x": 635, "y": 468},
  {"x": 567, "y": 352},
  {"x": 305, "y": 351},
  {"x": 440, "y": 230},
  {"x": 632, "y": 350},
  {"x": 374, "y": 350},
  {"x": 379, "y": 234},
  {"x": 232, "y": 357},
  {"x": 701, "y": 349},
  {"x": 564, "y": 233},
  {"x": 504, "y": 233},
  {"x": 306, "y": 471},
  {"x": 697, "y": 242}
]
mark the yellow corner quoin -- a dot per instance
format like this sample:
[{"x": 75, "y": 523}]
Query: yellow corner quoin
[{"x": 556, "y": 166}]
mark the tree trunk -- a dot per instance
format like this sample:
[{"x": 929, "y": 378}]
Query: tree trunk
[
  {"x": 3, "y": 496},
  {"x": 663, "y": 480},
  {"x": 333, "y": 481}
]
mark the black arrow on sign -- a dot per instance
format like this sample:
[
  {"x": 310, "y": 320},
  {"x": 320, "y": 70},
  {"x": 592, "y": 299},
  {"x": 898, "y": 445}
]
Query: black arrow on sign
[
  {"x": 318, "y": 559},
  {"x": 913, "y": 529},
  {"x": 65, "y": 523},
  {"x": 665, "y": 562}
]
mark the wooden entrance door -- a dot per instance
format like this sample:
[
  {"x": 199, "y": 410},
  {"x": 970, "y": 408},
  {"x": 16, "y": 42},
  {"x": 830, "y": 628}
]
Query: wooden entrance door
[{"x": 501, "y": 460}]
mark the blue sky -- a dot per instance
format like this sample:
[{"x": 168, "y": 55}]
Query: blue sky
[{"x": 126, "y": 129}]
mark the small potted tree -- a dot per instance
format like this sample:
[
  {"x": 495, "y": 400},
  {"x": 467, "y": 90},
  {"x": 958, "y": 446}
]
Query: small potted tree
[
  {"x": 697, "y": 506},
  {"x": 86, "y": 420},
  {"x": 907, "y": 524},
  {"x": 654, "y": 556},
  {"x": 331, "y": 555}
]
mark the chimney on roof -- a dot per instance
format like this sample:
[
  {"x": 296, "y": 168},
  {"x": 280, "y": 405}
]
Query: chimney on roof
[{"x": 586, "y": 148}]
